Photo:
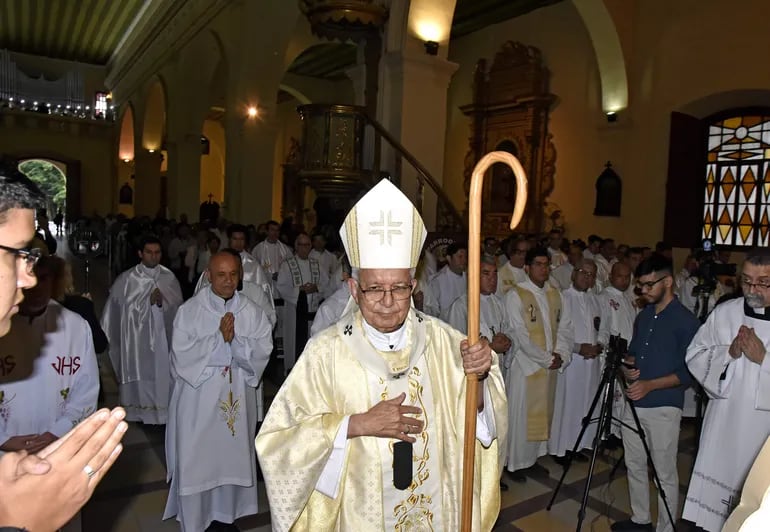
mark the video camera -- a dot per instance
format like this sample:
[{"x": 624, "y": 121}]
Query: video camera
[
  {"x": 709, "y": 270},
  {"x": 617, "y": 349}
]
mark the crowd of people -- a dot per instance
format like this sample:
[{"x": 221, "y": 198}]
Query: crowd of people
[{"x": 364, "y": 332}]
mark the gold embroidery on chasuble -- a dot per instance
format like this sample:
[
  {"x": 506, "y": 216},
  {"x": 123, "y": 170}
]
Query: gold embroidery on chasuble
[
  {"x": 415, "y": 512},
  {"x": 230, "y": 407},
  {"x": 391, "y": 373}
]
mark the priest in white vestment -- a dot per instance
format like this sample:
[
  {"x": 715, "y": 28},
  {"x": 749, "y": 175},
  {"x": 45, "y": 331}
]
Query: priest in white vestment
[
  {"x": 451, "y": 281},
  {"x": 221, "y": 345},
  {"x": 325, "y": 258},
  {"x": 728, "y": 358},
  {"x": 617, "y": 319},
  {"x": 544, "y": 340},
  {"x": 561, "y": 277},
  {"x": 299, "y": 283},
  {"x": 512, "y": 272},
  {"x": 386, "y": 374},
  {"x": 137, "y": 319},
  {"x": 604, "y": 261},
  {"x": 50, "y": 378},
  {"x": 558, "y": 257},
  {"x": 331, "y": 310},
  {"x": 494, "y": 323},
  {"x": 578, "y": 381},
  {"x": 271, "y": 252}
]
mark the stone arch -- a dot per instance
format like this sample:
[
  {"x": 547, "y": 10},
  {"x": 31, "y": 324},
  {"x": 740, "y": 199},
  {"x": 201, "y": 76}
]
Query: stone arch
[
  {"x": 126, "y": 153},
  {"x": 154, "y": 120},
  {"x": 69, "y": 167},
  {"x": 126, "y": 145},
  {"x": 212, "y": 128},
  {"x": 720, "y": 101},
  {"x": 297, "y": 94},
  {"x": 609, "y": 53}
]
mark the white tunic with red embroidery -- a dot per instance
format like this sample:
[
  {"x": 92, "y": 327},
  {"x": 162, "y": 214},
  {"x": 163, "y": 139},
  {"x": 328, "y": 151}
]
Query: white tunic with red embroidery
[{"x": 49, "y": 379}]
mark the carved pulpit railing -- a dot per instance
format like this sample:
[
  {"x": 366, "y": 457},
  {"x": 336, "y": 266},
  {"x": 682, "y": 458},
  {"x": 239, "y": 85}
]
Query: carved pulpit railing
[{"x": 342, "y": 149}]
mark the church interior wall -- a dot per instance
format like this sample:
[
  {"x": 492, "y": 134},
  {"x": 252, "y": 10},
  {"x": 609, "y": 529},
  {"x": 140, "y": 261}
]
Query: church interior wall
[
  {"x": 677, "y": 53},
  {"x": 94, "y": 151},
  {"x": 213, "y": 164}
]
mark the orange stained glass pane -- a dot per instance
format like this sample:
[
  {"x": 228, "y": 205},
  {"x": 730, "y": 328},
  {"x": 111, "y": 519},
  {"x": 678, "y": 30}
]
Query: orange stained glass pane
[
  {"x": 764, "y": 220},
  {"x": 745, "y": 232},
  {"x": 709, "y": 191},
  {"x": 712, "y": 157},
  {"x": 707, "y": 218},
  {"x": 724, "y": 218},
  {"x": 733, "y": 123},
  {"x": 763, "y": 231},
  {"x": 727, "y": 189},
  {"x": 767, "y": 188},
  {"x": 749, "y": 181},
  {"x": 728, "y": 177},
  {"x": 745, "y": 218},
  {"x": 707, "y": 231},
  {"x": 724, "y": 232},
  {"x": 750, "y": 121}
]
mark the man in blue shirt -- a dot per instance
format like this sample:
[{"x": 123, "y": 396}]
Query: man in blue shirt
[{"x": 662, "y": 332}]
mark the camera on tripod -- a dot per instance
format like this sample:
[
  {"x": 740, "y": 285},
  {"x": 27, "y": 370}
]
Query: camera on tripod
[
  {"x": 709, "y": 270},
  {"x": 616, "y": 351}
]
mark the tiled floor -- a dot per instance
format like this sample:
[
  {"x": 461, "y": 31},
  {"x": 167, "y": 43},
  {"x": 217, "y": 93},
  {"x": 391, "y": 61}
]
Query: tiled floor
[{"x": 133, "y": 496}]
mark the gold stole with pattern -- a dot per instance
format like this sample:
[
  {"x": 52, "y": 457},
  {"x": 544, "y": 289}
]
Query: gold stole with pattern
[{"x": 541, "y": 385}]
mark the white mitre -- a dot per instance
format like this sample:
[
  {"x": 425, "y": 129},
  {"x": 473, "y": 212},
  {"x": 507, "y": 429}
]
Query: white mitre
[{"x": 383, "y": 230}]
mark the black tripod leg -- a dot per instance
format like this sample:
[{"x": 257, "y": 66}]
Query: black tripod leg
[
  {"x": 597, "y": 443},
  {"x": 585, "y": 422}
]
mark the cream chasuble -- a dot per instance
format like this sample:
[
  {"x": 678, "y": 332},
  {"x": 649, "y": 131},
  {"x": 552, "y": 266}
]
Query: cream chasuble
[
  {"x": 339, "y": 374},
  {"x": 509, "y": 276}
]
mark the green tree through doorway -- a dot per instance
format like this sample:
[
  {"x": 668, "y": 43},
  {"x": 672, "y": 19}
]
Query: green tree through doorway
[{"x": 51, "y": 181}]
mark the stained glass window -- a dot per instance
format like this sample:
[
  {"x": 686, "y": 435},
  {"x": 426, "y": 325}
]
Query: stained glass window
[{"x": 736, "y": 201}]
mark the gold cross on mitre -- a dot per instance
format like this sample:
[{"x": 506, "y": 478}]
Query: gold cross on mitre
[{"x": 383, "y": 230}]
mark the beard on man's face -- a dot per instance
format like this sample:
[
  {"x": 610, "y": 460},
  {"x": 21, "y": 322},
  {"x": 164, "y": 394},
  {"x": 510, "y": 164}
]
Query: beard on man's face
[{"x": 755, "y": 300}]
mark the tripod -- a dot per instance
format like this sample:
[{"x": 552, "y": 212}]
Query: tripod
[{"x": 605, "y": 392}]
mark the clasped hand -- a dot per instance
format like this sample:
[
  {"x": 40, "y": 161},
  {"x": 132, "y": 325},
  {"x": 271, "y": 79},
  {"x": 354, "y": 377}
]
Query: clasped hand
[
  {"x": 387, "y": 419},
  {"x": 309, "y": 288},
  {"x": 748, "y": 343},
  {"x": 227, "y": 327},
  {"x": 500, "y": 343},
  {"x": 156, "y": 298}
]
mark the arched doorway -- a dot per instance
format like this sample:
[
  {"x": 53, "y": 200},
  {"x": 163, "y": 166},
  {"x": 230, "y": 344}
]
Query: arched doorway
[
  {"x": 126, "y": 154},
  {"x": 51, "y": 177}
]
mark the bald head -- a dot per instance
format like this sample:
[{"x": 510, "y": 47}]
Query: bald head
[
  {"x": 224, "y": 272},
  {"x": 620, "y": 276}
]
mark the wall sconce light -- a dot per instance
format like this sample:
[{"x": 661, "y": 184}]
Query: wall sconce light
[
  {"x": 252, "y": 112},
  {"x": 431, "y": 47},
  {"x": 151, "y": 151},
  {"x": 612, "y": 116},
  {"x": 126, "y": 160}
]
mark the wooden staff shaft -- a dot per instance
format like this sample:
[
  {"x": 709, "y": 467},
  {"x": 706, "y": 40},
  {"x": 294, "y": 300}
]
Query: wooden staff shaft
[{"x": 474, "y": 299}]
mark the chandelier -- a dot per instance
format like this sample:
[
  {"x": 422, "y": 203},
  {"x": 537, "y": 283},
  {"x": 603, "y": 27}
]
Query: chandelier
[{"x": 345, "y": 19}]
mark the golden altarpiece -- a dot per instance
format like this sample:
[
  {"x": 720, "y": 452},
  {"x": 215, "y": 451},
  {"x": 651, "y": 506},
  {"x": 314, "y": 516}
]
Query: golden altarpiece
[{"x": 509, "y": 112}]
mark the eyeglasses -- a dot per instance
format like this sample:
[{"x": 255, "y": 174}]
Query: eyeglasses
[
  {"x": 587, "y": 273},
  {"x": 748, "y": 285},
  {"x": 649, "y": 284},
  {"x": 398, "y": 293},
  {"x": 29, "y": 256}
]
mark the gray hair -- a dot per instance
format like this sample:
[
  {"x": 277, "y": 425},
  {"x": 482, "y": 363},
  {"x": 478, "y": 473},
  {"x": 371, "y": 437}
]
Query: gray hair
[{"x": 758, "y": 257}]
